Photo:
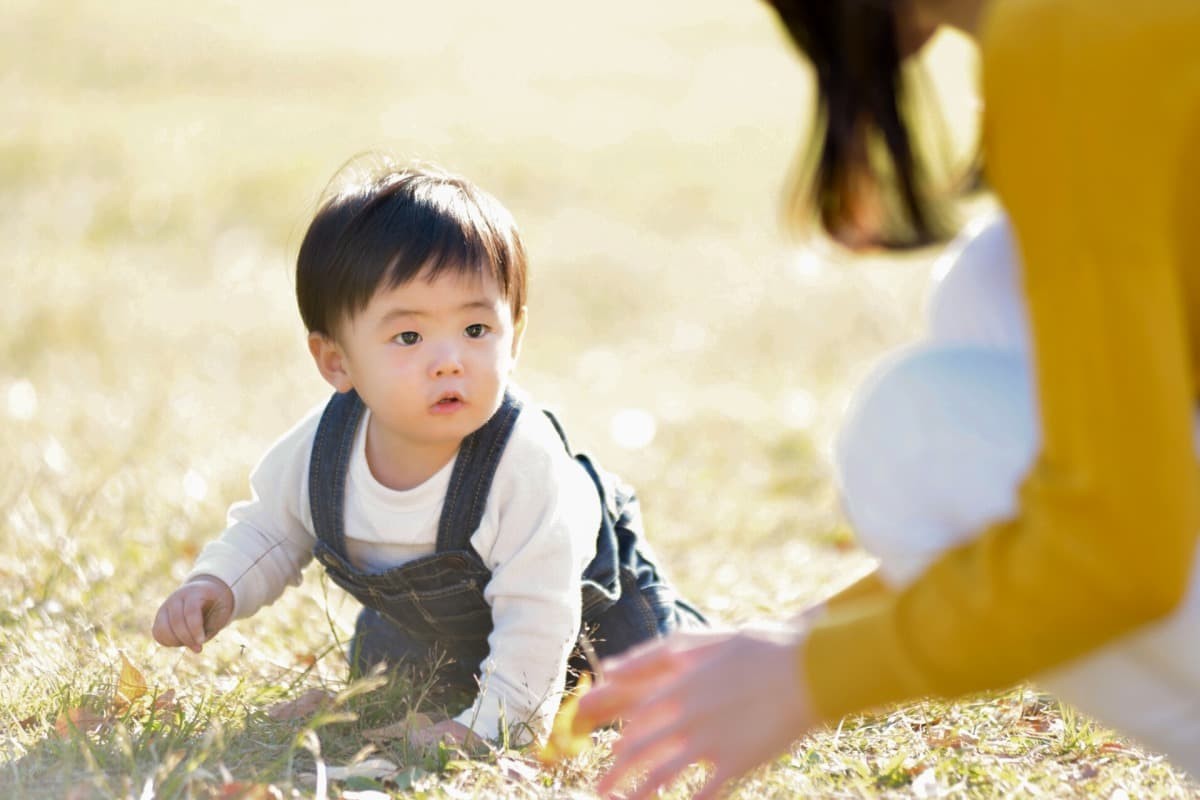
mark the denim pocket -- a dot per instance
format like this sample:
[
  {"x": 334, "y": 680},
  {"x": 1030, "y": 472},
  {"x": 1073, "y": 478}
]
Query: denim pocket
[
  {"x": 451, "y": 613},
  {"x": 435, "y": 598}
]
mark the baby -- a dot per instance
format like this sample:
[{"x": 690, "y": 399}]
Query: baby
[{"x": 429, "y": 487}]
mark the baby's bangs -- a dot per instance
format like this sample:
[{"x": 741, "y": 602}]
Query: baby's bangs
[{"x": 452, "y": 231}]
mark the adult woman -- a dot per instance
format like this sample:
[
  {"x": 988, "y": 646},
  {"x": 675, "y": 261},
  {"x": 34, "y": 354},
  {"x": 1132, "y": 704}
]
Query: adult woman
[{"x": 1090, "y": 108}]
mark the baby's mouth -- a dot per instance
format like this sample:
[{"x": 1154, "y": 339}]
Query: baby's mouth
[{"x": 447, "y": 401}]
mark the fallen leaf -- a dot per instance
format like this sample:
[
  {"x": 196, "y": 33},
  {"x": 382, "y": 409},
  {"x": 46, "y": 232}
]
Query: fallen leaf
[
  {"x": 947, "y": 741},
  {"x": 240, "y": 790},
  {"x": 78, "y": 719},
  {"x": 29, "y": 721},
  {"x": 80, "y": 791},
  {"x": 306, "y": 659},
  {"x": 564, "y": 740},
  {"x": 400, "y": 730},
  {"x": 308, "y": 703},
  {"x": 131, "y": 684},
  {"x": 166, "y": 701}
]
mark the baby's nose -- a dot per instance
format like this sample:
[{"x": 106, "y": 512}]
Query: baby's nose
[{"x": 447, "y": 361}]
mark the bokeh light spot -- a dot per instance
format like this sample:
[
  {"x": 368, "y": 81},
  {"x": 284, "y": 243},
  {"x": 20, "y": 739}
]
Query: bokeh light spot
[
  {"x": 22, "y": 400},
  {"x": 633, "y": 428}
]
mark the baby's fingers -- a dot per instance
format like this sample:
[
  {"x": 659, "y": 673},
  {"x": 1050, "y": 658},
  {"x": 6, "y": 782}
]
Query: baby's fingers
[
  {"x": 174, "y": 625},
  {"x": 161, "y": 630},
  {"x": 194, "y": 604}
]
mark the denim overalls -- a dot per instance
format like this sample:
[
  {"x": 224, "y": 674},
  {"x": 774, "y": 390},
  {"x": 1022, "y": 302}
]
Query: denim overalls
[{"x": 434, "y": 604}]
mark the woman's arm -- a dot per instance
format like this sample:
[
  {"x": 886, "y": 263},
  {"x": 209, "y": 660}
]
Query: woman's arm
[{"x": 1082, "y": 151}]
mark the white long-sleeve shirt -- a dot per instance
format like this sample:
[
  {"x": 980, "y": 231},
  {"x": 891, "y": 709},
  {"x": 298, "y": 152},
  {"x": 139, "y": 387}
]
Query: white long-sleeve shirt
[{"x": 537, "y": 534}]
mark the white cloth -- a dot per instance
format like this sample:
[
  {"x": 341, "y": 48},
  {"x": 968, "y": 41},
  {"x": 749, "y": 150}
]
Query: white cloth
[
  {"x": 934, "y": 448},
  {"x": 537, "y": 534}
]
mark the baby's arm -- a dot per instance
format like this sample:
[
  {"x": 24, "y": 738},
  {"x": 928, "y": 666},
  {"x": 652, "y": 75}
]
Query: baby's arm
[
  {"x": 549, "y": 513},
  {"x": 266, "y": 545}
]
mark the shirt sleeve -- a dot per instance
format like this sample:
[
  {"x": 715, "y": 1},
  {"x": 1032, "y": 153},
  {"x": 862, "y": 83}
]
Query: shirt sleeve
[
  {"x": 1083, "y": 156},
  {"x": 548, "y": 515},
  {"x": 269, "y": 538}
]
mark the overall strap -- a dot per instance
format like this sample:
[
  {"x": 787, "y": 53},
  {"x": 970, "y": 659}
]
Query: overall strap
[
  {"x": 329, "y": 465},
  {"x": 471, "y": 480},
  {"x": 558, "y": 428}
]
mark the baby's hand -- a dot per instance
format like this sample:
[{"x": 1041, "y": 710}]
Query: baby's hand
[{"x": 194, "y": 613}]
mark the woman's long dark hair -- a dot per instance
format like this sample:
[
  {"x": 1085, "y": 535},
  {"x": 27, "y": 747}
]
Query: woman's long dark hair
[{"x": 853, "y": 48}]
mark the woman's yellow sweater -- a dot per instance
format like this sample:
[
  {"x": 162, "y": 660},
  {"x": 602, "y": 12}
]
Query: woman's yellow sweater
[{"x": 1092, "y": 143}]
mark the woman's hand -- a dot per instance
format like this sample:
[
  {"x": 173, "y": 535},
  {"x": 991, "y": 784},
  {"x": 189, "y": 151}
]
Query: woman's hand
[
  {"x": 733, "y": 699},
  {"x": 194, "y": 613}
]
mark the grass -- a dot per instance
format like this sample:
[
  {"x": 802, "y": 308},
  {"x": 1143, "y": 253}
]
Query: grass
[{"x": 158, "y": 164}]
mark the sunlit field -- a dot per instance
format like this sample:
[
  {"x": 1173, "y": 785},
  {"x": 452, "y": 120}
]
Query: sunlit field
[{"x": 158, "y": 165}]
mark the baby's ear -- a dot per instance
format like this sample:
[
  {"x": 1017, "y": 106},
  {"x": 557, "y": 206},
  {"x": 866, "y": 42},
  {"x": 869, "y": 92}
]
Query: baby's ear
[
  {"x": 330, "y": 361},
  {"x": 519, "y": 331}
]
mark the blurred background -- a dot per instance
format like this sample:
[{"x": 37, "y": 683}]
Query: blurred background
[{"x": 159, "y": 164}]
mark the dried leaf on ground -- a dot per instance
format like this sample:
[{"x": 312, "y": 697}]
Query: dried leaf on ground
[
  {"x": 80, "y": 791},
  {"x": 166, "y": 701},
  {"x": 399, "y": 730},
  {"x": 564, "y": 740},
  {"x": 241, "y": 790},
  {"x": 131, "y": 685},
  {"x": 306, "y": 704},
  {"x": 80, "y": 719}
]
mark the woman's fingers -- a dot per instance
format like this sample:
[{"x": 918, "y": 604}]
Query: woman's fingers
[
  {"x": 643, "y": 747},
  {"x": 629, "y": 679},
  {"x": 651, "y": 657},
  {"x": 607, "y": 702},
  {"x": 667, "y": 731},
  {"x": 618, "y": 695},
  {"x": 733, "y": 701}
]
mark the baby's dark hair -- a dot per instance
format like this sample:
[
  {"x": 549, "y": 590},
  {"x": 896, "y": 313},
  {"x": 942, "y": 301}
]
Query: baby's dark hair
[{"x": 397, "y": 223}]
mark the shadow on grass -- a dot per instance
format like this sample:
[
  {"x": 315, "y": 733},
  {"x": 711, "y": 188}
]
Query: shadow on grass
[{"x": 236, "y": 745}]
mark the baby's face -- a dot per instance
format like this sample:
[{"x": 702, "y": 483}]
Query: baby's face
[{"x": 432, "y": 358}]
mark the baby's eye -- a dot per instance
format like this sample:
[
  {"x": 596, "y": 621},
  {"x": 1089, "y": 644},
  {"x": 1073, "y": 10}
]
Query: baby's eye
[
  {"x": 476, "y": 331},
  {"x": 407, "y": 338}
]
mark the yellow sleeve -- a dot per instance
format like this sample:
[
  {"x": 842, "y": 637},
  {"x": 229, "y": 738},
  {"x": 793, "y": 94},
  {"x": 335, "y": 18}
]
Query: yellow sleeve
[
  {"x": 1083, "y": 144},
  {"x": 867, "y": 587}
]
